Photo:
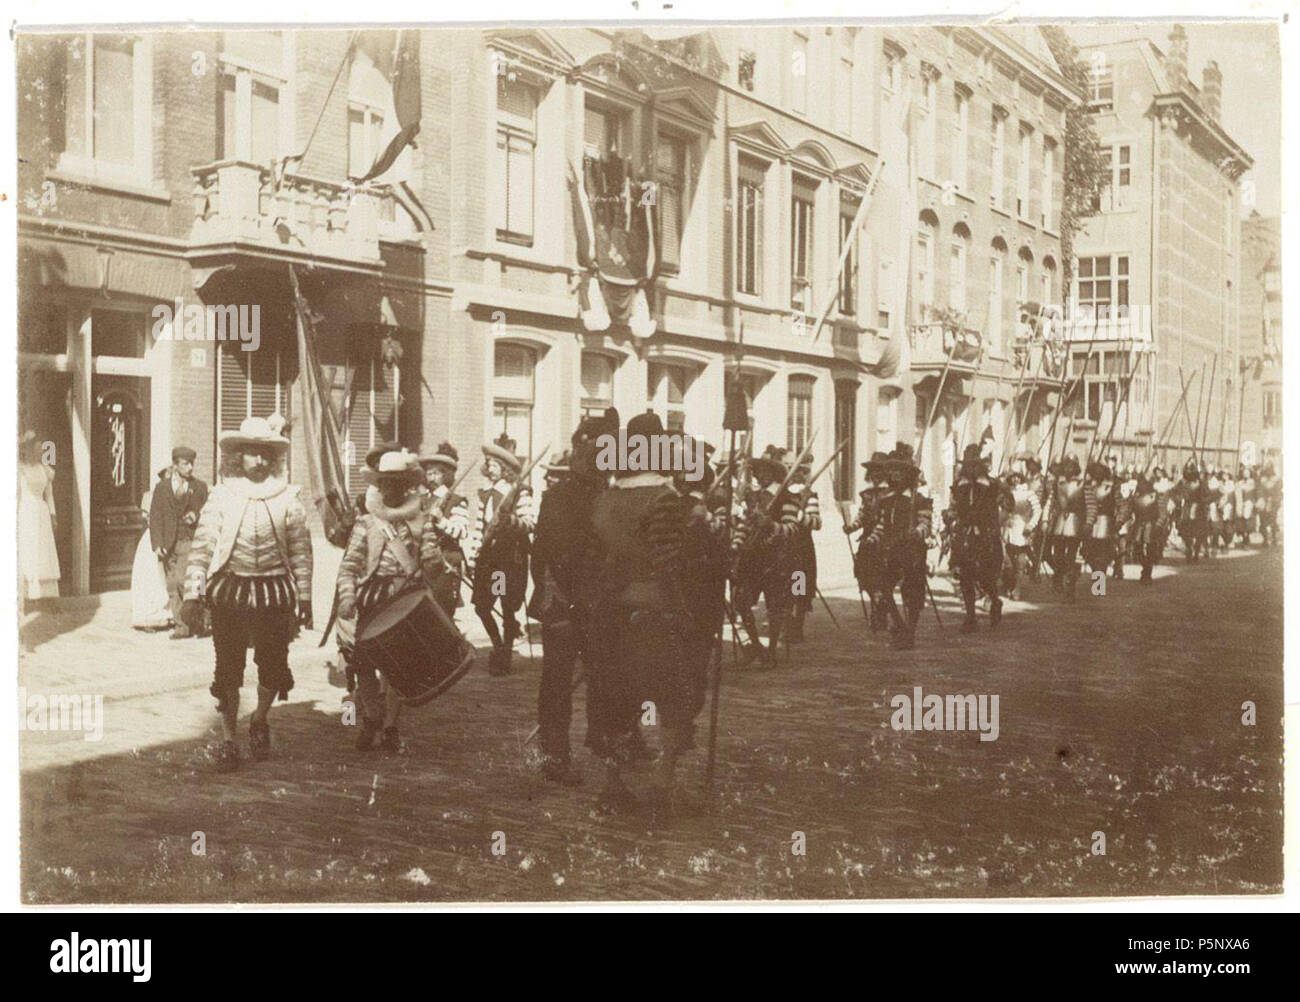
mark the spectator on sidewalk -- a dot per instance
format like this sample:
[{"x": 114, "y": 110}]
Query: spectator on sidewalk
[
  {"x": 173, "y": 514},
  {"x": 150, "y": 599},
  {"x": 38, "y": 557}
]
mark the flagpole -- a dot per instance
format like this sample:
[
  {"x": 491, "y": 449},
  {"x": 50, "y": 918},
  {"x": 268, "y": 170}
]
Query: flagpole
[
  {"x": 1015, "y": 406},
  {"x": 833, "y": 288}
]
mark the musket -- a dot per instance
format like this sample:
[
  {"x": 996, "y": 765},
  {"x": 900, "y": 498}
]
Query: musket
[
  {"x": 790, "y": 473},
  {"x": 512, "y": 496}
]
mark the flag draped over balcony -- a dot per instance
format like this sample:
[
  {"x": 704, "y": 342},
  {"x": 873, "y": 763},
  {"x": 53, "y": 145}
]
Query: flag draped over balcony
[
  {"x": 396, "y": 54},
  {"x": 324, "y": 452},
  {"x": 613, "y": 215}
]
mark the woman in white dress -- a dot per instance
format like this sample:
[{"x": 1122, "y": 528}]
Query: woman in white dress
[
  {"x": 38, "y": 558},
  {"x": 150, "y": 606}
]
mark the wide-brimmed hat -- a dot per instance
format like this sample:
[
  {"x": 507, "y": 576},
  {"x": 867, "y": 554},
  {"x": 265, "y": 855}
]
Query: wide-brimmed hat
[
  {"x": 560, "y": 464},
  {"x": 502, "y": 449},
  {"x": 253, "y": 431},
  {"x": 646, "y": 425},
  {"x": 594, "y": 426},
  {"x": 396, "y": 465},
  {"x": 876, "y": 463},
  {"x": 372, "y": 457},
  {"x": 767, "y": 468},
  {"x": 446, "y": 455}
]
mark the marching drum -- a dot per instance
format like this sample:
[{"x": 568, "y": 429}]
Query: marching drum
[{"x": 409, "y": 638}]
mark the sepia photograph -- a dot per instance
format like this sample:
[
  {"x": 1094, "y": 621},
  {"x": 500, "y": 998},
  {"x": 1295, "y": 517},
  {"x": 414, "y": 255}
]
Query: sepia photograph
[{"x": 667, "y": 460}]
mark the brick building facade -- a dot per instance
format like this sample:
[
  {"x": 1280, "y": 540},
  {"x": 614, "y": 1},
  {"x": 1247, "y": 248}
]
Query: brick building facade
[
  {"x": 1259, "y": 403},
  {"x": 196, "y": 167},
  {"x": 1163, "y": 251}
]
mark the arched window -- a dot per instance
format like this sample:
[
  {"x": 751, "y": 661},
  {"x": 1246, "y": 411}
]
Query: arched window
[
  {"x": 666, "y": 388},
  {"x": 597, "y": 383},
  {"x": 1024, "y": 267},
  {"x": 799, "y": 411},
  {"x": 925, "y": 238},
  {"x": 1047, "y": 281},
  {"x": 958, "y": 253},
  {"x": 512, "y": 394},
  {"x": 997, "y": 297}
]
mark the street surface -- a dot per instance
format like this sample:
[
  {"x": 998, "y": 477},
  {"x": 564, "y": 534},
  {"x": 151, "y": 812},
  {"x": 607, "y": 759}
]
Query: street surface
[{"x": 1118, "y": 714}]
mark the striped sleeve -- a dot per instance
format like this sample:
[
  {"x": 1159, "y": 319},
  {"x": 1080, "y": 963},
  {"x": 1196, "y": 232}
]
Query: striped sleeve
[
  {"x": 353, "y": 564},
  {"x": 524, "y": 514},
  {"x": 812, "y": 511},
  {"x": 456, "y": 523},
  {"x": 299, "y": 544}
]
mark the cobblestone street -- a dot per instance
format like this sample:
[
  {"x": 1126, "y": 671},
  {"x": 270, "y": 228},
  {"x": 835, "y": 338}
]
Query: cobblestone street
[{"x": 1119, "y": 714}]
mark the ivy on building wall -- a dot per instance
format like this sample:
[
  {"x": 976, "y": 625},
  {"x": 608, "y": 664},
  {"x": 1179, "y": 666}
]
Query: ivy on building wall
[{"x": 1084, "y": 165}]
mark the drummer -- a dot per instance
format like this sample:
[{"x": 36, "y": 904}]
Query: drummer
[{"x": 394, "y": 546}]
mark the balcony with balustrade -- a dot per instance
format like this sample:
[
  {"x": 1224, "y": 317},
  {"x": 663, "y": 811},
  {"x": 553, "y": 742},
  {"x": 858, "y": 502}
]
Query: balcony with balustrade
[
  {"x": 933, "y": 344},
  {"x": 244, "y": 209}
]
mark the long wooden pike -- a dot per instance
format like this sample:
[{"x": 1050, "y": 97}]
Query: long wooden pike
[
  {"x": 1114, "y": 417},
  {"x": 826, "y": 465},
  {"x": 1159, "y": 441},
  {"x": 844, "y": 517},
  {"x": 790, "y": 473},
  {"x": 1015, "y": 407},
  {"x": 1209, "y": 400},
  {"x": 1191, "y": 432}
]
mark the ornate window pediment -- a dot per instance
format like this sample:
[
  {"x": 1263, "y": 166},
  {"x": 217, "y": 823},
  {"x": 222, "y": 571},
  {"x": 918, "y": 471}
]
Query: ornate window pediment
[{"x": 760, "y": 135}]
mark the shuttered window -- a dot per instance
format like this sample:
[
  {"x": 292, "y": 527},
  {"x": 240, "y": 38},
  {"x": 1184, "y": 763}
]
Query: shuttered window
[
  {"x": 670, "y": 171},
  {"x": 515, "y": 152},
  {"x": 251, "y": 384},
  {"x": 799, "y": 411}
]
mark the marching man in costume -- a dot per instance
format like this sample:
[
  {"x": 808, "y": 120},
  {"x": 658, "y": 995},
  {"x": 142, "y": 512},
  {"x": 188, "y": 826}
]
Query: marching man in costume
[
  {"x": 1021, "y": 522},
  {"x": 563, "y": 524},
  {"x": 451, "y": 521},
  {"x": 1074, "y": 509},
  {"x": 764, "y": 560},
  {"x": 867, "y": 560},
  {"x": 643, "y": 552},
  {"x": 393, "y": 547},
  {"x": 804, "y": 551},
  {"x": 901, "y": 537},
  {"x": 977, "y": 537},
  {"x": 507, "y": 515},
  {"x": 252, "y": 561}
]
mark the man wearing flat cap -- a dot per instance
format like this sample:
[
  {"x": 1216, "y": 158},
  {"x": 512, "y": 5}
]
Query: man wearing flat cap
[{"x": 174, "y": 512}]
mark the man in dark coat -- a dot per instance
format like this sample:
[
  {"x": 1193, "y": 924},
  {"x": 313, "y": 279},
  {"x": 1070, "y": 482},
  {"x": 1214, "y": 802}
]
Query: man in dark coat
[
  {"x": 977, "y": 535},
  {"x": 174, "y": 512},
  {"x": 1193, "y": 500},
  {"x": 563, "y": 524},
  {"x": 640, "y": 554},
  {"x": 901, "y": 536}
]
